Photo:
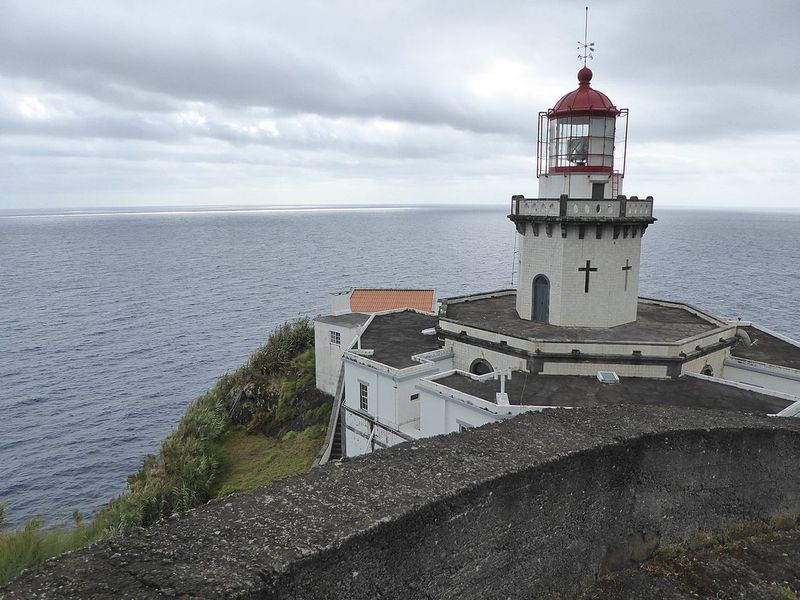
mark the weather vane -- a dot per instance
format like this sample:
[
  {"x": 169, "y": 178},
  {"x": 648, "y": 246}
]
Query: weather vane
[{"x": 586, "y": 48}]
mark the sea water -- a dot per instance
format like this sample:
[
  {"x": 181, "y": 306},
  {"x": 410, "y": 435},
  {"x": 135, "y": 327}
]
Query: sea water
[{"x": 111, "y": 323}]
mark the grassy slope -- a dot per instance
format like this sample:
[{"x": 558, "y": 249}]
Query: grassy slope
[
  {"x": 257, "y": 460},
  {"x": 264, "y": 421}
]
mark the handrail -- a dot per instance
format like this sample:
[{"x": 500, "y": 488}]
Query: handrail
[{"x": 324, "y": 454}]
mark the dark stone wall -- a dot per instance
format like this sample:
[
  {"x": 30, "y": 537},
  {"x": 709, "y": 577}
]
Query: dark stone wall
[{"x": 533, "y": 507}]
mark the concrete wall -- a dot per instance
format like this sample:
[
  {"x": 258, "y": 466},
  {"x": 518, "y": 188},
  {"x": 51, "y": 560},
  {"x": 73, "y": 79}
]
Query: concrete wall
[
  {"x": 465, "y": 354},
  {"x": 591, "y": 369},
  {"x": 771, "y": 377},
  {"x": 715, "y": 360},
  {"x": 328, "y": 356},
  {"x": 354, "y": 375},
  {"x": 340, "y": 302},
  {"x": 576, "y": 185},
  {"x": 528, "y": 508},
  {"x": 443, "y": 415},
  {"x": 608, "y": 302},
  {"x": 390, "y": 402},
  {"x": 445, "y": 410},
  {"x": 602, "y": 348}
]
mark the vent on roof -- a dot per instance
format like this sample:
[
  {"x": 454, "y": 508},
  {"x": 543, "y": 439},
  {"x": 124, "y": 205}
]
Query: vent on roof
[
  {"x": 429, "y": 331},
  {"x": 607, "y": 377}
]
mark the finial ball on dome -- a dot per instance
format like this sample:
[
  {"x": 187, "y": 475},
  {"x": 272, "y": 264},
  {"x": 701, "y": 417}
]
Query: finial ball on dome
[{"x": 585, "y": 75}]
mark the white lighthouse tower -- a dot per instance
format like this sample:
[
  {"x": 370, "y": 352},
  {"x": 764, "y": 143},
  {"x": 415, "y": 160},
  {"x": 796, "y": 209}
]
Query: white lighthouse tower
[{"x": 580, "y": 240}]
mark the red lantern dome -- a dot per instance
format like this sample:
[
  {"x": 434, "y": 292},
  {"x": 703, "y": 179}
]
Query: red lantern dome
[
  {"x": 584, "y": 101},
  {"x": 578, "y": 135}
]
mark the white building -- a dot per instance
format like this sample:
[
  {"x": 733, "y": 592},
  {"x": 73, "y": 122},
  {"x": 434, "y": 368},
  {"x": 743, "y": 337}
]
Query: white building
[
  {"x": 333, "y": 334},
  {"x": 573, "y": 333},
  {"x": 350, "y": 309}
]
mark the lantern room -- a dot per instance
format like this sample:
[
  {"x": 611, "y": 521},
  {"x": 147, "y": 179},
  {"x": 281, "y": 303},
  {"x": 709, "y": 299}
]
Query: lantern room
[{"x": 584, "y": 133}]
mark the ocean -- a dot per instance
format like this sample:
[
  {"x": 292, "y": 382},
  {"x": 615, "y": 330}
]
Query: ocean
[{"x": 111, "y": 323}]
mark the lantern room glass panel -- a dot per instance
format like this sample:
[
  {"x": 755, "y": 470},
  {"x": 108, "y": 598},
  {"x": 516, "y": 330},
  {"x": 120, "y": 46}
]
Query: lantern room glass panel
[{"x": 576, "y": 142}]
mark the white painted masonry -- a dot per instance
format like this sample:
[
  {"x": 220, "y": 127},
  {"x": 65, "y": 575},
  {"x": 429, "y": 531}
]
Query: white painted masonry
[
  {"x": 610, "y": 299},
  {"x": 328, "y": 355},
  {"x": 578, "y": 185},
  {"x": 762, "y": 375},
  {"x": 393, "y": 414}
]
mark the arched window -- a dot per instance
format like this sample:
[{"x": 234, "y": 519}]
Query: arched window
[{"x": 480, "y": 366}]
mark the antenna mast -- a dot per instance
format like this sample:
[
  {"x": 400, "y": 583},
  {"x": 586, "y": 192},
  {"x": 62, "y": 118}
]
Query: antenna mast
[{"x": 586, "y": 49}]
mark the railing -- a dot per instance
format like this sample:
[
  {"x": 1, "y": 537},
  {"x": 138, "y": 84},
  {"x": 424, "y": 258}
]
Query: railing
[
  {"x": 582, "y": 207},
  {"x": 324, "y": 454}
]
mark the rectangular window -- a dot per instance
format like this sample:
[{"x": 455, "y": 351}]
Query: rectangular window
[
  {"x": 336, "y": 338},
  {"x": 414, "y": 397},
  {"x": 363, "y": 394},
  {"x": 598, "y": 190}
]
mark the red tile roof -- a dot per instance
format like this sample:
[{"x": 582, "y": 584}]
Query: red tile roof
[{"x": 376, "y": 300}]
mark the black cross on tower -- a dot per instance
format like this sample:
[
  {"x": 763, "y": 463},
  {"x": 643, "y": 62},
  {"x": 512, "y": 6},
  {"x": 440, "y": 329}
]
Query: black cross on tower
[
  {"x": 587, "y": 269},
  {"x": 626, "y": 268}
]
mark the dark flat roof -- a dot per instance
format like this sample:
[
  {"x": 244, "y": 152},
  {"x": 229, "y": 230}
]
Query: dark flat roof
[
  {"x": 345, "y": 320},
  {"x": 396, "y": 337},
  {"x": 575, "y": 390},
  {"x": 769, "y": 349},
  {"x": 654, "y": 323}
]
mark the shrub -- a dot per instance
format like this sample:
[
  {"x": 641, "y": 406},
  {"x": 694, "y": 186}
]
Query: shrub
[
  {"x": 283, "y": 345},
  {"x": 190, "y": 462},
  {"x": 315, "y": 431},
  {"x": 33, "y": 543}
]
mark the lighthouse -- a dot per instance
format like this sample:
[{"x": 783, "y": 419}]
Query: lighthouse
[
  {"x": 580, "y": 240},
  {"x": 572, "y": 333}
]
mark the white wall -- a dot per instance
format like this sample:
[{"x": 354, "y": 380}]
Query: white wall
[
  {"x": 465, "y": 354},
  {"x": 608, "y": 302},
  {"x": 328, "y": 356},
  {"x": 715, "y": 360},
  {"x": 577, "y": 185},
  {"x": 591, "y": 369},
  {"x": 408, "y": 411},
  {"x": 778, "y": 379},
  {"x": 389, "y": 402},
  {"x": 440, "y": 415},
  {"x": 354, "y": 374},
  {"x": 445, "y": 410},
  {"x": 340, "y": 302}
]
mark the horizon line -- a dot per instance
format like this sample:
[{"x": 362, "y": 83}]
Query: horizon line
[{"x": 188, "y": 209}]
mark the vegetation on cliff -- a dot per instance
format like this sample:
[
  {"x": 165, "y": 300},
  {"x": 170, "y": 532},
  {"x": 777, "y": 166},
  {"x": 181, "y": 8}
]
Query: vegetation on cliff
[{"x": 264, "y": 421}]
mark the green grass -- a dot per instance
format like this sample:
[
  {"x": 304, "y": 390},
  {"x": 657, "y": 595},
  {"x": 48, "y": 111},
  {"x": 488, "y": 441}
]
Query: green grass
[
  {"x": 257, "y": 460},
  {"x": 784, "y": 591},
  {"x": 208, "y": 453},
  {"x": 33, "y": 543}
]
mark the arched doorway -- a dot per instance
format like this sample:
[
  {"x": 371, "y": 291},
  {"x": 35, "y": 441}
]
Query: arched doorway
[
  {"x": 708, "y": 370},
  {"x": 541, "y": 299},
  {"x": 480, "y": 366}
]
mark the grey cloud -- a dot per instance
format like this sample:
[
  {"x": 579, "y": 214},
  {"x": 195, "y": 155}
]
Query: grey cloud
[
  {"x": 193, "y": 66},
  {"x": 692, "y": 73}
]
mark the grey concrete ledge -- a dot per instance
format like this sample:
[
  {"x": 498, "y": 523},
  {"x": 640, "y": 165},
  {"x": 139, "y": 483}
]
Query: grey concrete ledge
[{"x": 532, "y": 507}]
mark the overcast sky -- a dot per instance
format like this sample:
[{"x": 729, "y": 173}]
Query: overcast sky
[{"x": 171, "y": 102}]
